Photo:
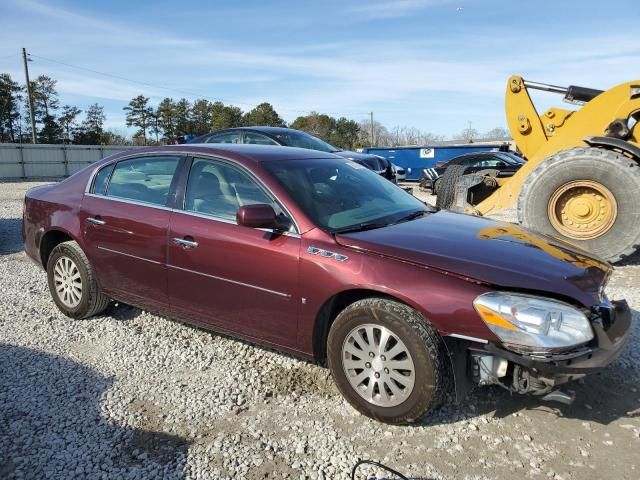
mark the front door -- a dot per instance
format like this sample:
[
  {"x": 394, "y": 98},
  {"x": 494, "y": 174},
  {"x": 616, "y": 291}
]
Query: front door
[
  {"x": 239, "y": 279},
  {"x": 125, "y": 223}
]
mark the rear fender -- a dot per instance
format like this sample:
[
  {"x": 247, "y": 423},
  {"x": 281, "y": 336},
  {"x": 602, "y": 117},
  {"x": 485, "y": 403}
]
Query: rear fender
[{"x": 614, "y": 144}]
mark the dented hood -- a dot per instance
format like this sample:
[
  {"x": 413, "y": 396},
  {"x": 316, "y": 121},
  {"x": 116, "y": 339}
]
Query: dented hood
[{"x": 498, "y": 253}]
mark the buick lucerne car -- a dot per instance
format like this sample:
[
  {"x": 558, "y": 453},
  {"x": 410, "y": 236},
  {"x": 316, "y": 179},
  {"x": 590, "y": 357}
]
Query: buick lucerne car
[
  {"x": 290, "y": 137},
  {"x": 318, "y": 256}
]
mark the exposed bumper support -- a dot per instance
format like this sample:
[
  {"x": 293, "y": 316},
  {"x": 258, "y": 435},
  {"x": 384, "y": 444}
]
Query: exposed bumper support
[{"x": 612, "y": 331}]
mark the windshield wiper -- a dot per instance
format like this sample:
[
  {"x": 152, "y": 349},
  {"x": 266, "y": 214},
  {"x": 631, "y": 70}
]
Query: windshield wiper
[
  {"x": 361, "y": 227},
  {"x": 413, "y": 215}
]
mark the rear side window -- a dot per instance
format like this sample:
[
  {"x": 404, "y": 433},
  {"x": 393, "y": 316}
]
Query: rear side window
[
  {"x": 257, "y": 139},
  {"x": 101, "y": 179},
  {"x": 145, "y": 179}
]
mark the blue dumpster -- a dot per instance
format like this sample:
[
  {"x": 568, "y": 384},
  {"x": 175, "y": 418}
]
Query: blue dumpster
[{"x": 414, "y": 159}]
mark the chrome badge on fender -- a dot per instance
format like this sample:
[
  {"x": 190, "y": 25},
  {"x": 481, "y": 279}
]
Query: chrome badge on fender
[{"x": 327, "y": 254}]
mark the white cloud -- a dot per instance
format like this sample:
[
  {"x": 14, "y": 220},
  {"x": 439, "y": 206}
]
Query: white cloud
[
  {"x": 100, "y": 29},
  {"x": 394, "y": 8}
]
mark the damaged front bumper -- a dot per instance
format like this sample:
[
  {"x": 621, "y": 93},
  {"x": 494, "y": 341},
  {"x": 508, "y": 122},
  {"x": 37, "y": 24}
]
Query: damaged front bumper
[{"x": 540, "y": 373}]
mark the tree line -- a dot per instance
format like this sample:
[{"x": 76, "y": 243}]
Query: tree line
[{"x": 171, "y": 120}]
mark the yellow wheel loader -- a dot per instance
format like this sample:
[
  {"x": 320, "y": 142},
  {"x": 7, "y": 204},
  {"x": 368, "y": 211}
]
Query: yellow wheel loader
[{"x": 581, "y": 180}]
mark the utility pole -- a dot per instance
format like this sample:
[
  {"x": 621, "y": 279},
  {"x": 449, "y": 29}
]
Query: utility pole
[
  {"x": 372, "y": 137},
  {"x": 29, "y": 95}
]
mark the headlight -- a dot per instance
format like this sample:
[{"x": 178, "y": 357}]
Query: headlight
[{"x": 533, "y": 321}]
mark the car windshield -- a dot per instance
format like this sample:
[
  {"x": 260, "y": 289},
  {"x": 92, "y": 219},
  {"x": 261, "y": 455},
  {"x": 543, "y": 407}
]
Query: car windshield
[
  {"x": 304, "y": 140},
  {"x": 340, "y": 195}
]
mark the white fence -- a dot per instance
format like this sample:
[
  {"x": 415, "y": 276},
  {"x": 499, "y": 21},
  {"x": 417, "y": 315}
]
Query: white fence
[{"x": 49, "y": 161}]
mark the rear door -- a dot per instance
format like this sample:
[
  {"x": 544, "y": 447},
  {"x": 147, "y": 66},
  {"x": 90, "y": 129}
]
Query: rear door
[
  {"x": 125, "y": 220},
  {"x": 239, "y": 279}
]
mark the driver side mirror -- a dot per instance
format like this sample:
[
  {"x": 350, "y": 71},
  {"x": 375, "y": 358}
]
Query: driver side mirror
[
  {"x": 501, "y": 164},
  {"x": 260, "y": 215}
]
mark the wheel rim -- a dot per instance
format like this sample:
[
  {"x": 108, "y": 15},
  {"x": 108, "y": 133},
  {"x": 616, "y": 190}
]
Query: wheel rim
[
  {"x": 378, "y": 365},
  {"x": 67, "y": 282},
  {"x": 582, "y": 209}
]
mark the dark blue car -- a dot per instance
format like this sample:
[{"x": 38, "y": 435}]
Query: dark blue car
[{"x": 290, "y": 137}]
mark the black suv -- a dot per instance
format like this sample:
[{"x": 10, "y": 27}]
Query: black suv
[{"x": 507, "y": 163}]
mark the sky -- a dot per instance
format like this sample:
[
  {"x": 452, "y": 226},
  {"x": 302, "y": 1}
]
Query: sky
[{"x": 431, "y": 64}]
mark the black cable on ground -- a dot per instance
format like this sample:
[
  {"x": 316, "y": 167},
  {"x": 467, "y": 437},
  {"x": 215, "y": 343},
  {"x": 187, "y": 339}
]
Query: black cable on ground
[{"x": 376, "y": 464}]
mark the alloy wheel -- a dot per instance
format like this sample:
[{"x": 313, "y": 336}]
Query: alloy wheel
[
  {"x": 378, "y": 365},
  {"x": 67, "y": 282}
]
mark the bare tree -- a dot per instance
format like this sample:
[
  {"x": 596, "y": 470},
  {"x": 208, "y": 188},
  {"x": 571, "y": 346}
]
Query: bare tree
[{"x": 497, "y": 133}]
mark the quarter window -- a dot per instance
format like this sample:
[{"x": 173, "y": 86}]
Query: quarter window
[
  {"x": 145, "y": 179},
  {"x": 218, "y": 189},
  {"x": 101, "y": 179}
]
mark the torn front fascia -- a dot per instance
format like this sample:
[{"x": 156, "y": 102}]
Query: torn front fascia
[{"x": 611, "y": 325}]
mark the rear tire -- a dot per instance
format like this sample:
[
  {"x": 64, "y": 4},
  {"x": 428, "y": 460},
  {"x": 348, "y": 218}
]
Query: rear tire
[
  {"x": 447, "y": 186},
  {"x": 436, "y": 187},
  {"x": 72, "y": 282},
  {"x": 397, "y": 390},
  {"x": 609, "y": 177}
]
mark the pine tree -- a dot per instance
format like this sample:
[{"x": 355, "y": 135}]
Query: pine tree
[{"x": 139, "y": 114}]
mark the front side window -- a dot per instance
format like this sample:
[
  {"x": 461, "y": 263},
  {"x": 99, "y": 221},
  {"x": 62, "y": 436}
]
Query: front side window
[
  {"x": 146, "y": 179},
  {"x": 218, "y": 189},
  {"x": 229, "y": 137},
  {"x": 257, "y": 139},
  {"x": 340, "y": 195}
]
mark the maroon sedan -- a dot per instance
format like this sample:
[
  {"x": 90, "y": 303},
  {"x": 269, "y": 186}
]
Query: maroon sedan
[{"x": 316, "y": 255}]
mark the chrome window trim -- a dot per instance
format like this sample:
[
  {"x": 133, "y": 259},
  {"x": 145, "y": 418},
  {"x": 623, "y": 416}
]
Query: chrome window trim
[
  {"x": 233, "y": 222},
  {"x": 193, "y": 154},
  {"x": 131, "y": 202},
  {"x": 129, "y": 255},
  {"x": 186, "y": 212},
  {"x": 235, "y": 282}
]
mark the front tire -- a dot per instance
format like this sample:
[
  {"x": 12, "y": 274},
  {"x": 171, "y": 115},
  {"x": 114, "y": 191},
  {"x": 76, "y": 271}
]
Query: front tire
[
  {"x": 72, "y": 282},
  {"x": 388, "y": 361}
]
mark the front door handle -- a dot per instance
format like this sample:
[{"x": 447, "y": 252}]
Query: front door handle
[
  {"x": 96, "y": 221},
  {"x": 185, "y": 243}
]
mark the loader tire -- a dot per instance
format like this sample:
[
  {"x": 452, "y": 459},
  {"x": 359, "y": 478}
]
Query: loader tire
[
  {"x": 447, "y": 186},
  {"x": 587, "y": 196}
]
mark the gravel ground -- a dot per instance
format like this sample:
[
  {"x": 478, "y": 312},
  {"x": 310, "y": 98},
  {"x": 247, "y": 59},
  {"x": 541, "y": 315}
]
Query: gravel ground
[{"x": 134, "y": 395}]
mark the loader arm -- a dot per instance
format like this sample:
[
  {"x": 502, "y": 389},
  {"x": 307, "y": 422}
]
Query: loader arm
[{"x": 539, "y": 136}]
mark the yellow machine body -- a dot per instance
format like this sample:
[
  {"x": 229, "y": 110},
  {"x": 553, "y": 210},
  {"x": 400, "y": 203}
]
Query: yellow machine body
[{"x": 540, "y": 136}]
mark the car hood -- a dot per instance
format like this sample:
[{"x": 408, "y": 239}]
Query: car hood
[{"x": 501, "y": 254}]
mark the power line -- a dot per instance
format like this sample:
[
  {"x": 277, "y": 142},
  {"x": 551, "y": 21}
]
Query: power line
[
  {"x": 8, "y": 56},
  {"x": 184, "y": 92}
]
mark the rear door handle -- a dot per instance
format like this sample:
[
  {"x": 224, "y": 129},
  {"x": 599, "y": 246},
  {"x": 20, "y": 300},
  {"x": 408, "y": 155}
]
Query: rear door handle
[
  {"x": 96, "y": 221},
  {"x": 185, "y": 243}
]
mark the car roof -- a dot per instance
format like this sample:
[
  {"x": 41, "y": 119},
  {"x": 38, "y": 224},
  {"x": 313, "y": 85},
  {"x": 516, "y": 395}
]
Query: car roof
[
  {"x": 251, "y": 152},
  {"x": 258, "y": 128}
]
